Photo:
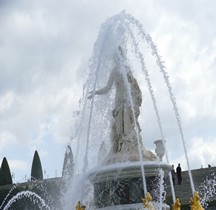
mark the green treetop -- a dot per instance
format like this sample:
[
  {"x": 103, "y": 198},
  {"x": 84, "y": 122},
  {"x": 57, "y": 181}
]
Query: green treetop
[
  {"x": 36, "y": 170},
  {"x": 5, "y": 174}
]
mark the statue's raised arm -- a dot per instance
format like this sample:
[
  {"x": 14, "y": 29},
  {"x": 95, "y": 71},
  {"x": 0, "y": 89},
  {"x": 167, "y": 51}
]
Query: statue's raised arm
[{"x": 104, "y": 89}]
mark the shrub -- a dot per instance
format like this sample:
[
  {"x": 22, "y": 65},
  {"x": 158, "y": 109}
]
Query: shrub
[
  {"x": 36, "y": 170},
  {"x": 5, "y": 174}
]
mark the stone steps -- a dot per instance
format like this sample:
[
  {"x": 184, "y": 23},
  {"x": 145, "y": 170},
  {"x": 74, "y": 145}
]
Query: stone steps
[{"x": 184, "y": 191}]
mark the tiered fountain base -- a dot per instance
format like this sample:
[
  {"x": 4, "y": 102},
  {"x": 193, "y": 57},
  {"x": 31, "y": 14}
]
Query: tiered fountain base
[{"x": 120, "y": 186}]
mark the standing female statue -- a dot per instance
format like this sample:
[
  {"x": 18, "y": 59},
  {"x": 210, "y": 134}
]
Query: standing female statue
[{"x": 128, "y": 99}]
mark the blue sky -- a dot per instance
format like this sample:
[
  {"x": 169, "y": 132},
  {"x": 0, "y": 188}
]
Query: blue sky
[{"x": 44, "y": 52}]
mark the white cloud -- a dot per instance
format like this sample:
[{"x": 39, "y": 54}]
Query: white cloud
[
  {"x": 6, "y": 139},
  {"x": 6, "y": 102},
  {"x": 18, "y": 165},
  {"x": 200, "y": 153}
]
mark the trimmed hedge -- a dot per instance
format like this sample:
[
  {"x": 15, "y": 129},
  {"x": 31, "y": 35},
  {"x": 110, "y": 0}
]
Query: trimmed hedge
[
  {"x": 36, "y": 170},
  {"x": 5, "y": 174}
]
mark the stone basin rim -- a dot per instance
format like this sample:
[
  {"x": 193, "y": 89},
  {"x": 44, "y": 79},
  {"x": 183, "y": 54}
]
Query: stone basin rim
[{"x": 124, "y": 165}]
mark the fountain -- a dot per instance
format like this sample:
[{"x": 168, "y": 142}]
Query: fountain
[
  {"x": 32, "y": 195},
  {"x": 207, "y": 190},
  {"x": 34, "y": 198},
  {"x": 110, "y": 119},
  {"x": 113, "y": 168}
]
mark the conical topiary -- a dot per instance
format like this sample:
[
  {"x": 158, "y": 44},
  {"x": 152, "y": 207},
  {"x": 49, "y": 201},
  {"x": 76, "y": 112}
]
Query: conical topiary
[
  {"x": 36, "y": 170},
  {"x": 5, "y": 174},
  {"x": 68, "y": 165}
]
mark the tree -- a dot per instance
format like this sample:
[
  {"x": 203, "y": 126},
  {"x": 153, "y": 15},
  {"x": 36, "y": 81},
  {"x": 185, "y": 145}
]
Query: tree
[
  {"x": 5, "y": 174},
  {"x": 68, "y": 165},
  {"x": 36, "y": 170}
]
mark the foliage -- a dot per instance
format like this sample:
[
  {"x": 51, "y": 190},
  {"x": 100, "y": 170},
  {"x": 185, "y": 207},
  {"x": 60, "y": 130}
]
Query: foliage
[
  {"x": 36, "y": 170},
  {"x": 5, "y": 174}
]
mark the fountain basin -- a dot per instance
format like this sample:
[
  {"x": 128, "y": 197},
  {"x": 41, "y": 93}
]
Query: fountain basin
[
  {"x": 120, "y": 186},
  {"x": 127, "y": 170}
]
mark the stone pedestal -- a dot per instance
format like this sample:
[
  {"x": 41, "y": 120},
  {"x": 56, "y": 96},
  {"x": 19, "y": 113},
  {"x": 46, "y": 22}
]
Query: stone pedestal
[{"x": 120, "y": 186}]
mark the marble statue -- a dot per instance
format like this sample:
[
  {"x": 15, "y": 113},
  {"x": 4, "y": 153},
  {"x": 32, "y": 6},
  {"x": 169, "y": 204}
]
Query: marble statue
[{"x": 125, "y": 127}]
